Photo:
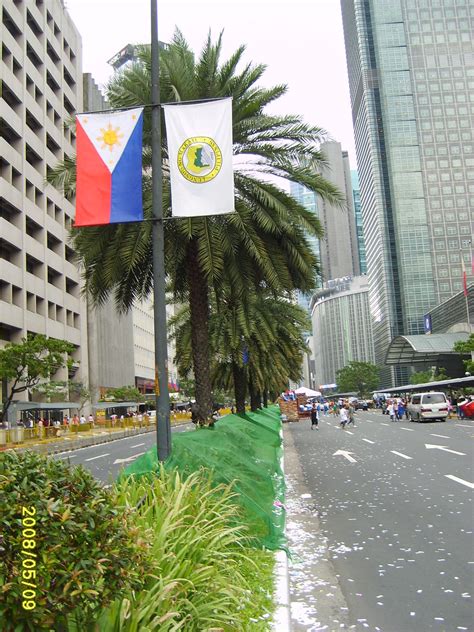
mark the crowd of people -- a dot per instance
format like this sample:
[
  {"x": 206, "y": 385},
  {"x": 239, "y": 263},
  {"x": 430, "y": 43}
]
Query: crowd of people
[{"x": 343, "y": 408}]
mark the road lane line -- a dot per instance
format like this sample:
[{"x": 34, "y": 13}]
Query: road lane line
[
  {"x": 128, "y": 459},
  {"x": 404, "y": 456},
  {"x": 369, "y": 421},
  {"x": 409, "y": 429},
  {"x": 441, "y": 436},
  {"x": 137, "y": 446},
  {"x": 98, "y": 457},
  {"x": 464, "y": 425},
  {"x": 431, "y": 446},
  {"x": 383, "y": 424},
  {"x": 345, "y": 454},
  {"x": 460, "y": 480},
  {"x": 368, "y": 441},
  {"x": 349, "y": 432},
  {"x": 73, "y": 456}
]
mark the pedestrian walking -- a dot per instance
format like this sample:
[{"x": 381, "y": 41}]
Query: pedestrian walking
[
  {"x": 343, "y": 417},
  {"x": 400, "y": 410},
  {"x": 391, "y": 411},
  {"x": 314, "y": 417},
  {"x": 350, "y": 414}
]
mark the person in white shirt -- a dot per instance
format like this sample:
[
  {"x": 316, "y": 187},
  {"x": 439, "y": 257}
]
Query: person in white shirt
[
  {"x": 391, "y": 411},
  {"x": 82, "y": 420},
  {"x": 343, "y": 417}
]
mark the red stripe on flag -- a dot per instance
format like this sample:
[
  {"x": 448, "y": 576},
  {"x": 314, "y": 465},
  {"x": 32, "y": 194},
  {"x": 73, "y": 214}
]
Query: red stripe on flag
[{"x": 93, "y": 183}]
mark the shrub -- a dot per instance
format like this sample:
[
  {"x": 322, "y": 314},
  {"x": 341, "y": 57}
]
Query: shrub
[
  {"x": 87, "y": 551},
  {"x": 200, "y": 580}
]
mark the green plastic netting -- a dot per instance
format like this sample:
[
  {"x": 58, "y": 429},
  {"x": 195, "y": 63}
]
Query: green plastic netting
[{"x": 245, "y": 449}]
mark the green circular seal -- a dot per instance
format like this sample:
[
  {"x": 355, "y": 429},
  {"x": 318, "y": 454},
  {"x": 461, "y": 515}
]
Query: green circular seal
[{"x": 199, "y": 159}]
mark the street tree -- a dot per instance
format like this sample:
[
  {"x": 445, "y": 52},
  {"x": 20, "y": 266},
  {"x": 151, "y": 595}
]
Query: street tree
[
  {"x": 72, "y": 391},
  {"x": 422, "y": 377},
  {"x": 256, "y": 344},
  {"x": 25, "y": 364},
  {"x": 125, "y": 394},
  {"x": 264, "y": 241},
  {"x": 359, "y": 377},
  {"x": 466, "y": 348}
]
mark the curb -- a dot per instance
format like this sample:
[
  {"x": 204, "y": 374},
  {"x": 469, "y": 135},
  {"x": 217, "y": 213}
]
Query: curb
[
  {"x": 55, "y": 448},
  {"x": 282, "y": 616}
]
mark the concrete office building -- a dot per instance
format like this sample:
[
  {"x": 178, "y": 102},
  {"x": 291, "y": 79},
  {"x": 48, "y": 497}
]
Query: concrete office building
[
  {"x": 338, "y": 250},
  {"x": 341, "y": 326},
  {"x": 41, "y": 77},
  {"x": 411, "y": 75}
]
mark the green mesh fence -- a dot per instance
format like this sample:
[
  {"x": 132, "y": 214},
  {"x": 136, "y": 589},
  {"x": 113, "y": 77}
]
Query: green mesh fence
[{"x": 245, "y": 449}]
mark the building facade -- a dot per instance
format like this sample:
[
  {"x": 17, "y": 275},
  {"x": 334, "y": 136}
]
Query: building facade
[
  {"x": 342, "y": 329},
  {"x": 411, "y": 76},
  {"x": 41, "y": 88},
  {"x": 337, "y": 251},
  {"x": 358, "y": 222}
]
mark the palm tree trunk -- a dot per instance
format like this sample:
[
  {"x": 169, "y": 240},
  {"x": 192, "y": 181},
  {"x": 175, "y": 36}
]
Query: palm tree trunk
[
  {"x": 265, "y": 398},
  {"x": 239, "y": 386},
  {"x": 254, "y": 397},
  {"x": 199, "y": 307}
]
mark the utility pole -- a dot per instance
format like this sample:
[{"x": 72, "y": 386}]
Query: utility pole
[{"x": 163, "y": 428}]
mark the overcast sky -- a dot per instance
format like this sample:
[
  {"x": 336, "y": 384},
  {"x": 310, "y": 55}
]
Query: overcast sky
[{"x": 300, "y": 41}]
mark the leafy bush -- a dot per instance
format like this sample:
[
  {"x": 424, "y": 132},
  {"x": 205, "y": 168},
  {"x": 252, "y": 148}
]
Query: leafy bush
[
  {"x": 87, "y": 551},
  {"x": 201, "y": 579}
]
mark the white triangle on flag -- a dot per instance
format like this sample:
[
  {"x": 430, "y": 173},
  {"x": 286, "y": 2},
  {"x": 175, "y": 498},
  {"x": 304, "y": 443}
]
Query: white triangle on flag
[{"x": 110, "y": 132}]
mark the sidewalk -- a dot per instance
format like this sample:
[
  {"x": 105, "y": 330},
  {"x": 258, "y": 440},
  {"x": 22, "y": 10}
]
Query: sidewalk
[
  {"x": 316, "y": 600},
  {"x": 75, "y": 440}
]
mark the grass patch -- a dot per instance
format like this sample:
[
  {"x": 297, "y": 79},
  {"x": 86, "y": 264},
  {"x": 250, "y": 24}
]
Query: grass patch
[{"x": 203, "y": 575}]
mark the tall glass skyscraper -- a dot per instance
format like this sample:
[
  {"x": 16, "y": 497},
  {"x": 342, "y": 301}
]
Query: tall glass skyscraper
[
  {"x": 411, "y": 76},
  {"x": 337, "y": 251},
  {"x": 358, "y": 222},
  {"x": 309, "y": 200}
]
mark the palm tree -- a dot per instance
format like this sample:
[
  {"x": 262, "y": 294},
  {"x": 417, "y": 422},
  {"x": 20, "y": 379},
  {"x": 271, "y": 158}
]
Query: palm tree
[
  {"x": 263, "y": 242},
  {"x": 255, "y": 343}
]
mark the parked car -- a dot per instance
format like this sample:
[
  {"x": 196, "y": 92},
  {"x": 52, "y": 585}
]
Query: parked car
[{"x": 425, "y": 406}]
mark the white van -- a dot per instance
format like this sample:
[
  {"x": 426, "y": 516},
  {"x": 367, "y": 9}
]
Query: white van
[{"x": 424, "y": 406}]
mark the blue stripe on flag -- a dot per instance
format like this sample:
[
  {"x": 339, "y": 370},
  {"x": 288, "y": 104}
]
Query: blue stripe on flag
[{"x": 127, "y": 202}]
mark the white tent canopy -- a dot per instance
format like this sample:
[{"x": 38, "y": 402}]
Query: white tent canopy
[{"x": 302, "y": 390}]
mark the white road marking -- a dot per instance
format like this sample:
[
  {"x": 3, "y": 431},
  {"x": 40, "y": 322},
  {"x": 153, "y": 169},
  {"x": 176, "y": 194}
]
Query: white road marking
[
  {"x": 460, "y": 480},
  {"x": 440, "y": 436},
  {"x": 98, "y": 457},
  {"x": 368, "y": 441},
  {"x": 128, "y": 459},
  {"x": 369, "y": 421},
  {"x": 432, "y": 446},
  {"x": 408, "y": 429},
  {"x": 137, "y": 446},
  {"x": 383, "y": 424},
  {"x": 345, "y": 454},
  {"x": 404, "y": 456},
  {"x": 464, "y": 425},
  {"x": 349, "y": 432},
  {"x": 73, "y": 456}
]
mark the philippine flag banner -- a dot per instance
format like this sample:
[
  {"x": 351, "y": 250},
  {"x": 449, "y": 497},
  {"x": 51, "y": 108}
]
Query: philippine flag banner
[
  {"x": 200, "y": 157},
  {"x": 109, "y": 167}
]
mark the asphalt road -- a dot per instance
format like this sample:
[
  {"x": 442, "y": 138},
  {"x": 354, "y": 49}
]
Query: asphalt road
[
  {"x": 394, "y": 502},
  {"x": 105, "y": 460}
]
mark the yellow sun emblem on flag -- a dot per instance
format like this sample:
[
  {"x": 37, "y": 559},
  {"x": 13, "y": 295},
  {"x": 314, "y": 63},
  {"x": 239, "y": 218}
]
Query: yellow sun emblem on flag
[{"x": 110, "y": 137}]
